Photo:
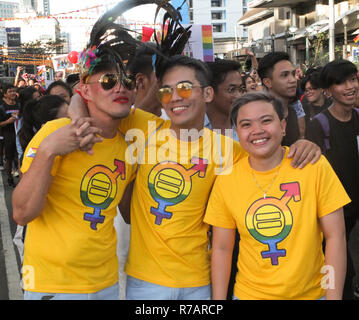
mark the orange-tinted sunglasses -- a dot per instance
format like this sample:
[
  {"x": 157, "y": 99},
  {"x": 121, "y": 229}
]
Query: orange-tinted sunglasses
[{"x": 183, "y": 89}]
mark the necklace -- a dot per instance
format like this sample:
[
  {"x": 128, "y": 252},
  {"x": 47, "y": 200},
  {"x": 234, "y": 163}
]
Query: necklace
[{"x": 265, "y": 191}]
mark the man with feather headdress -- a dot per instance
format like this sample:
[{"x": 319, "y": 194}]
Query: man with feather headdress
[{"x": 67, "y": 197}]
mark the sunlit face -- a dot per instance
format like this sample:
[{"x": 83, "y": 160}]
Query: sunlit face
[
  {"x": 251, "y": 85},
  {"x": 259, "y": 129},
  {"x": 10, "y": 94},
  {"x": 62, "y": 92},
  {"x": 346, "y": 92},
  {"x": 312, "y": 94},
  {"x": 115, "y": 103},
  {"x": 283, "y": 82},
  {"x": 186, "y": 113},
  {"x": 227, "y": 91}
]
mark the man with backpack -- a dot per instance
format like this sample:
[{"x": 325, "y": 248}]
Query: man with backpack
[{"x": 336, "y": 130}]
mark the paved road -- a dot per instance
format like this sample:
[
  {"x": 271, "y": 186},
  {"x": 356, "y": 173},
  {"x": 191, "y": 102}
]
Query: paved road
[{"x": 10, "y": 265}]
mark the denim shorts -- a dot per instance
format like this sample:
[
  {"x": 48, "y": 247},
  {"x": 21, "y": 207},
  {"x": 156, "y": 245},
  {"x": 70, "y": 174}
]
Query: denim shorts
[
  {"x": 137, "y": 289},
  {"x": 110, "y": 293}
]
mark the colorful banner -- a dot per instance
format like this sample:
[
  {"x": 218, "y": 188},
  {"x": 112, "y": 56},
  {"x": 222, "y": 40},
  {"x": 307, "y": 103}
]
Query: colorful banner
[
  {"x": 62, "y": 63},
  {"x": 200, "y": 45}
]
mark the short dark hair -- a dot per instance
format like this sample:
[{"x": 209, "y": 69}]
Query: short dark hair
[
  {"x": 73, "y": 79},
  {"x": 36, "y": 114},
  {"x": 256, "y": 96},
  {"x": 142, "y": 61},
  {"x": 202, "y": 73},
  {"x": 220, "y": 68},
  {"x": 6, "y": 87},
  {"x": 267, "y": 63},
  {"x": 336, "y": 72},
  {"x": 314, "y": 78}
]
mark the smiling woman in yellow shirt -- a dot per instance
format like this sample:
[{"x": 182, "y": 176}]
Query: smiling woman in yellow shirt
[{"x": 281, "y": 215}]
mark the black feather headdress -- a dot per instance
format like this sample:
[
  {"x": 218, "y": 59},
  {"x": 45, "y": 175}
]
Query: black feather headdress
[{"x": 112, "y": 41}]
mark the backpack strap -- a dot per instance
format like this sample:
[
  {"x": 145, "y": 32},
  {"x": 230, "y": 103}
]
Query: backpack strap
[{"x": 323, "y": 120}]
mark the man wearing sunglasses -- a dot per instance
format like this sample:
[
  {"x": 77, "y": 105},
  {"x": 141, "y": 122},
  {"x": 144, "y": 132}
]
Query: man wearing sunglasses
[
  {"x": 69, "y": 198},
  {"x": 169, "y": 255}
]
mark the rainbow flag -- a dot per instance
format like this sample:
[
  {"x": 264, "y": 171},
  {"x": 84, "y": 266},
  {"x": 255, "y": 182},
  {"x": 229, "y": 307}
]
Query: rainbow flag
[
  {"x": 356, "y": 39},
  {"x": 31, "y": 153},
  {"x": 207, "y": 38}
]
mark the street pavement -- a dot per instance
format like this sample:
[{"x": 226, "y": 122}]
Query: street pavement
[{"x": 10, "y": 265}]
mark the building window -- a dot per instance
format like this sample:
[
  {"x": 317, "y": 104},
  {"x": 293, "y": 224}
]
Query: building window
[
  {"x": 216, "y": 3},
  {"x": 219, "y": 27},
  {"x": 191, "y": 15},
  {"x": 190, "y": 4},
  {"x": 217, "y": 15}
]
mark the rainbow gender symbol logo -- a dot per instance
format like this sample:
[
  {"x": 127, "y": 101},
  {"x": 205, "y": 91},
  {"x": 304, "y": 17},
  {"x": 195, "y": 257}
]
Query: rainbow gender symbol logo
[
  {"x": 170, "y": 183},
  {"x": 99, "y": 189},
  {"x": 269, "y": 221}
]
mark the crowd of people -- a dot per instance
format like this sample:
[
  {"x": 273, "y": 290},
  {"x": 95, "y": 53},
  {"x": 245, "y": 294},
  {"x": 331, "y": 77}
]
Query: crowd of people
[
  {"x": 18, "y": 107},
  {"x": 230, "y": 181}
]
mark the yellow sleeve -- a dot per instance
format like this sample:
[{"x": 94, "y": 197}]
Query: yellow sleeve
[
  {"x": 34, "y": 144},
  {"x": 231, "y": 153},
  {"x": 217, "y": 212},
  {"x": 331, "y": 194},
  {"x": 139, "y": 119}
]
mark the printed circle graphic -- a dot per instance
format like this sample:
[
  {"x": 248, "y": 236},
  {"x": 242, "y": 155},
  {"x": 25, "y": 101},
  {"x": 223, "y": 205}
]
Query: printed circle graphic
[
  {"x": 269, "y": 219},
  {"x": 169, "y": 184},
  {"x": 99, "y": 189}
]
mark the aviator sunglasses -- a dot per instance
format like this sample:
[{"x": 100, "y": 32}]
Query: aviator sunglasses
[
  {"x": 110, "y": 80},
  {"x": 183, "y": 89}
]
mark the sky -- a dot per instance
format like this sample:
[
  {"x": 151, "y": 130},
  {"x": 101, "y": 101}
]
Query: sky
[
  {"x": 79, "y": 29},
  {"x": 144, "y": 12}
]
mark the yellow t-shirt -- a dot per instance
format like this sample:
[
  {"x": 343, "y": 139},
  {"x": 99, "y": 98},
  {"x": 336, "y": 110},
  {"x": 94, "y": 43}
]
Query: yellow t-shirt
[
  {"x": 169, "y": 241},
  {"x": 280, "y": 248},
  {"x": 71, "y": 246}
]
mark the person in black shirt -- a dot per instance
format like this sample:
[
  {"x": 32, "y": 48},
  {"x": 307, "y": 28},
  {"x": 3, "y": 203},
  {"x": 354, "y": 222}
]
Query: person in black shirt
[
  {"x": 8, "y": 116},
  {"x": 340, "y": 79},
  {"x": 314, "y": 100},
  {"x": 278, "y": 75}
]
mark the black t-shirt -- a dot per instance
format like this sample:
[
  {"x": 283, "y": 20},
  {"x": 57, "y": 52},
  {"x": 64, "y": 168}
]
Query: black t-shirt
[
  {"x": 292, "y": 128},
  {"x": 5, "y": 113},
  {"x": 343, "y": 153},
  {"x": 311, "y": 111}
]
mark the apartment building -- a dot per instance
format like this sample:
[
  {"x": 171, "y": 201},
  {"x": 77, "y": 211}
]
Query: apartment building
[
  {"x": 291, "y": 25},
  {"x": 223, "y": 15}
]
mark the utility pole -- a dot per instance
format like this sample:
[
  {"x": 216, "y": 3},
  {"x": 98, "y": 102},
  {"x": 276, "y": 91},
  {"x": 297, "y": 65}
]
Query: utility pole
[{"x": 331, "y": 31}]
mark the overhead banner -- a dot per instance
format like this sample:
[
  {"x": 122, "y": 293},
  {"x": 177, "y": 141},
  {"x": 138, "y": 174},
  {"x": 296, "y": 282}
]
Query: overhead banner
[
  {"x": 62, "y": 63},
  {"x": 13, "y": 37},
  {"x": 200, "y": 45}
]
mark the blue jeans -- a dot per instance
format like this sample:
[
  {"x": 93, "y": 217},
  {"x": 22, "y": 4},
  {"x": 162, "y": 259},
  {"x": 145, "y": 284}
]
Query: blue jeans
[
  {"x": 137, "y": 289},
  {"x": 110, "y": 293}
]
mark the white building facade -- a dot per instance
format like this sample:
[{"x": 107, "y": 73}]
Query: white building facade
[{"x": 223, "y": 15}]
